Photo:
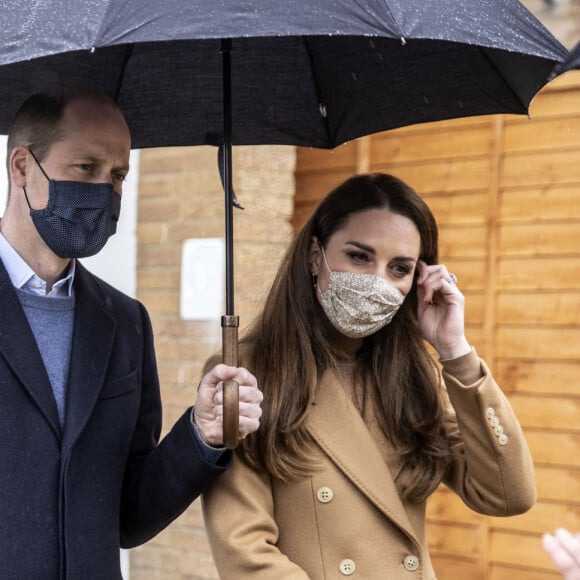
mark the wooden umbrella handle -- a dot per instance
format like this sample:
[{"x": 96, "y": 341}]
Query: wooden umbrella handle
[{"x": 231, "y": 388}]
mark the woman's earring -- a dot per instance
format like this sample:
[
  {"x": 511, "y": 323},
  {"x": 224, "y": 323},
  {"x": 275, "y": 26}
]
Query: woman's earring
[{"x": 314, "y": 279}]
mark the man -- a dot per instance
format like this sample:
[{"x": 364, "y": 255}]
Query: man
[{"x": 82, "y": 471}]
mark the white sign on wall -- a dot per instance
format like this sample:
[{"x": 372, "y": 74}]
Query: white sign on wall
[{"x": 202, "y": 279}]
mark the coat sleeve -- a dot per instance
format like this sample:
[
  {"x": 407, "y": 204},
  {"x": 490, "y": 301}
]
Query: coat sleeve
[
  {"x": 239, "y": 518},
  {"x": 491, "y": 468},
  {"x": 161, "y": 478}
]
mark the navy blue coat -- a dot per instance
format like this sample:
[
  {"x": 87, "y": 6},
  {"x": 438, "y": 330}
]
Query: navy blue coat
[{"x": 69, "y": 501}]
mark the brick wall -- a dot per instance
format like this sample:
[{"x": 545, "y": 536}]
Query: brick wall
[{"x": 181, "y": 197}]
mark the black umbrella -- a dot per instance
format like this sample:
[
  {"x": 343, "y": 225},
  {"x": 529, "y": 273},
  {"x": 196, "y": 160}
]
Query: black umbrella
[{"x": 307, "y": 72}]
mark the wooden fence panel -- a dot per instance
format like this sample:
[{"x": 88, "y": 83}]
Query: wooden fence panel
[
  {"x": 451, "y": 539},
  {"x": 517, "y": 573},
  {"x": 540, "y": 204},
  {"x": 458, "y": 208},
  {"x": 450, "y": 175},
  {"x": 554, "y": 308},
  {"x": 519, "y": 550},
  {"x": 538, "y": 376},
  {"x": 543, "y": 516}
]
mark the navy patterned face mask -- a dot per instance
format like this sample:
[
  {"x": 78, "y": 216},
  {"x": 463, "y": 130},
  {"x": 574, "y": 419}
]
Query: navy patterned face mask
[{"x": 79, "y": 217}]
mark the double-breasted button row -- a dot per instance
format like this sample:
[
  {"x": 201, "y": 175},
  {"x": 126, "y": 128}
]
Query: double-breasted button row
[
  {"x": 496, "y": 426},
  {"x": 411, "y": 563},
  {"x": 347, "y": 566}
]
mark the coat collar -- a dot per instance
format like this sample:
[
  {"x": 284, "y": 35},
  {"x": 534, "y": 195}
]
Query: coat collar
[
  {"x": 336, "y": 425},
  {"x": 18, "y": 347}
]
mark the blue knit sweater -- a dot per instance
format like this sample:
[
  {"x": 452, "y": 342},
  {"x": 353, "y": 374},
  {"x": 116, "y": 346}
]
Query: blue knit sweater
[{"x": 52, "y": 322}]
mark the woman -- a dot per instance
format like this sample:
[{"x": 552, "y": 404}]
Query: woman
[{"x": 357, "y": 428}]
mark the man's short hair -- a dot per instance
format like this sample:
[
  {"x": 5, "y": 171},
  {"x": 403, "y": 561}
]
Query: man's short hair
[{"x": 36, "y": 124}]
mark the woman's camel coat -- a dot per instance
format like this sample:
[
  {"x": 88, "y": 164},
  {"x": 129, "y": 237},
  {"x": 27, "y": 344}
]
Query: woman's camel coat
[{"x": 348, "y": 519}]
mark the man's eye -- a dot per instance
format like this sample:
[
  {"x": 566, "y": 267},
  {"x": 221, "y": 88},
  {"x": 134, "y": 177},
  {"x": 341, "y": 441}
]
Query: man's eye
[
  {"x": 85, "y": 166},
  {"x": 119, "y": 176}
]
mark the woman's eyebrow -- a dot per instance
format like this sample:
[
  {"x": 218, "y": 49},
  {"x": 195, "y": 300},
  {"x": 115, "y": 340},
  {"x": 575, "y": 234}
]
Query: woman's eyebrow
[{"x": 362, "y": 246}]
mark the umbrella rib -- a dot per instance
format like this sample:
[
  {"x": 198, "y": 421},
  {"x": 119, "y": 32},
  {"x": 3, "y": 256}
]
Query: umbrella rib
[
  {"x": 128, "y": 53},
  {"x": 321, "y": 103},
  {"x": 500, "y": 74}
]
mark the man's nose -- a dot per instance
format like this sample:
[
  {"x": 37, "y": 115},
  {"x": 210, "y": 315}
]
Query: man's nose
[{"x": 106, "y": 177}]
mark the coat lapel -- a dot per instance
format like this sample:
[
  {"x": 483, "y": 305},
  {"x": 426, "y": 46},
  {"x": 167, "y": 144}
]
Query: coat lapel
[
  {"x": 93, "y": 337},
  {"x": 19, "y": 349},
  {"x": 340, "y": 431}
]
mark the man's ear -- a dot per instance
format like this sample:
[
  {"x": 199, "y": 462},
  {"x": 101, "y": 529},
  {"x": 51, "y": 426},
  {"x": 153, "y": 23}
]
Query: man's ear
[
  {"x": 314, "y": 256},
  {"x": 17, "y": 163}
]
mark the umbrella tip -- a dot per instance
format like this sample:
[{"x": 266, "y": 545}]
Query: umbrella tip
[{"x": 235, "y": 201}]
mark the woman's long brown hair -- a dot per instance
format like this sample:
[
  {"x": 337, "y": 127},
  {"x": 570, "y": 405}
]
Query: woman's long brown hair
[{"x": 289, "y": 347}]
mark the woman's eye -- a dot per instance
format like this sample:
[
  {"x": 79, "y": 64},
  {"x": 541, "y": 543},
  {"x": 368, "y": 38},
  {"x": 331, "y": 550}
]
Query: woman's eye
[
  {"x": 85, "y": 167},
  {"x": 401, "y": 269},
  {"x": 119, "y": 176},
  {"x": 358, "y": 257}
]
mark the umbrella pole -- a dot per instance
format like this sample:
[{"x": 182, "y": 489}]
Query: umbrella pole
[{"x": 229, "y": 322}]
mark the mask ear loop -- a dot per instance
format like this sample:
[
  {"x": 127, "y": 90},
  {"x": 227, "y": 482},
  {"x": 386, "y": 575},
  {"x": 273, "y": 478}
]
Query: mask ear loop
[
  {"x": 324, "y": 258},
  {"x": 43, "y": 173},
  {"x": 315, "y": 276},
  {"x": 38, "y": 163},
  {"x": 26, "y": 198}
]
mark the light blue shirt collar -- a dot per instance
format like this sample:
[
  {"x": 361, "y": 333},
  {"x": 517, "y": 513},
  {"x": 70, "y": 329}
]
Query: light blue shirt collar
[{"x": 23, "y": 277}]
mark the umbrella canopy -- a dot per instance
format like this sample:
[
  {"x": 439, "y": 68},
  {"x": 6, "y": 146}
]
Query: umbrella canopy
[{"x": 308, "y": 72}]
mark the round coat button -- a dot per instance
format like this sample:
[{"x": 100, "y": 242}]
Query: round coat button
[
  {"x": 347, "y": 567},
  {"x": 324, "y": 494},
  {"x": 494, "y": 421},
  {"x": 502, "y": 439},
  {"x": 411, "y": 563},
  {"x": 490, "y": 412},
  {"x": 498, "y": 430}
]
